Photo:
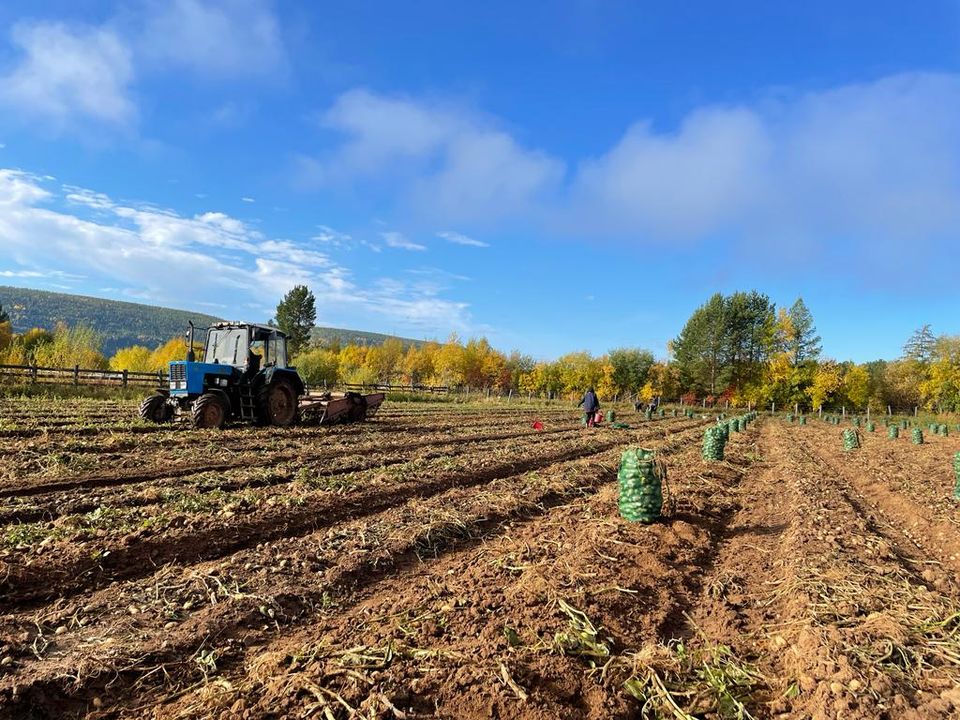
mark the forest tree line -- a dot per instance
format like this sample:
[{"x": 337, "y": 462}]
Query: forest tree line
[{"x": 739, "y": 348}]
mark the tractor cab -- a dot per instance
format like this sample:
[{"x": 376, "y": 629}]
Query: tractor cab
[{"x": 250, "y": 347}]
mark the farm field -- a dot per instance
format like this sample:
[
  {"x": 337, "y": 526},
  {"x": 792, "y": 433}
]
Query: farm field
[{"x": 450, "y": 561}]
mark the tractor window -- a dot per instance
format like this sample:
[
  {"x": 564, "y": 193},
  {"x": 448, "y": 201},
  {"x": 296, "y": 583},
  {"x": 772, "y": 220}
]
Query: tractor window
[
  {"x": 227, "y": 346},
  {"x": 271, "y": 351},
  {"x": 278, "y": 351}
]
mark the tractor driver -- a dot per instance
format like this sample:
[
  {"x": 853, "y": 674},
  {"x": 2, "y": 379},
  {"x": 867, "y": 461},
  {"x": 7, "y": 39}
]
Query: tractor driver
[{"x": 253, "y": 362}]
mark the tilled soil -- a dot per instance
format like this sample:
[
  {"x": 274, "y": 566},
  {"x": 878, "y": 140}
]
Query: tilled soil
[{"x": 458, "y": 564}]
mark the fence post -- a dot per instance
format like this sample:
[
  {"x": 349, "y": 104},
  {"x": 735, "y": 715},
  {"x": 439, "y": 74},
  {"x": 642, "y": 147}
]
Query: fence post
[
  {"x": 124, "y": 378},
  {"x": 33, "y": 372},
  {"x": 76, "y": 374}
]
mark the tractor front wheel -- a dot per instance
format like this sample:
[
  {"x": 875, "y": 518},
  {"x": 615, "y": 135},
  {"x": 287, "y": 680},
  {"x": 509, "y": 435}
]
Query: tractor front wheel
[
  {"x": 155, "y": 409},
  {"x": 278, "y": 404},
  {"x": 209, "y": 411}
]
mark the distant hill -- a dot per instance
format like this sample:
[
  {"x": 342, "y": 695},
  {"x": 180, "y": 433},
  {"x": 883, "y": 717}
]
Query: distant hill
[
  {"x": 124, "y": 323},
  {"x": 120, "y": 323},
  {"x": 357, "y": 337}
]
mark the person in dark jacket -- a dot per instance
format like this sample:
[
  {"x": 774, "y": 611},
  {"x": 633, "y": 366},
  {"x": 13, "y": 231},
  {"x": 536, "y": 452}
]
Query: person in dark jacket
[{"x": 590, "y": 404}]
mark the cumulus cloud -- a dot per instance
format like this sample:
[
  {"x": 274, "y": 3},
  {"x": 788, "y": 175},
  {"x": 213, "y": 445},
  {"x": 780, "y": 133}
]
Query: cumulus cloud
[
  {"x": 208, "y": 259},
  {"x": 218, "y": 38},
  {"x": 860, "y": 163},
  {"x": 66, "y": 73},
  {"x": 69, "y": 75},
  {"x": 847, "y": 177},
  {"x": 455, "y": 164}
]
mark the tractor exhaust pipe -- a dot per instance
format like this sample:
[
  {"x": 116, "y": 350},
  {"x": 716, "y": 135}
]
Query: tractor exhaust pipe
[{"x": 191, "y": 356}]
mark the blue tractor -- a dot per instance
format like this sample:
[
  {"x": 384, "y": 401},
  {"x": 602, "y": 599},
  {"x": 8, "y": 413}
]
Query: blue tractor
[{"x": 244, "y": 376}]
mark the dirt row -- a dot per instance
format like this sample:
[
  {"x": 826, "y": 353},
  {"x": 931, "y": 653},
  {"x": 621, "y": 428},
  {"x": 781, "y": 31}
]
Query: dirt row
[
  {"x": 56, "y": 498},
  {"x": 496, "y": 579},
  {"x": 69, "y": 465},
  {"x": 821, "y": 604},
  {"x": 272, "y": 585},
  {"x": 72, "y": 563},
  {"x": 453, "y": 508}
]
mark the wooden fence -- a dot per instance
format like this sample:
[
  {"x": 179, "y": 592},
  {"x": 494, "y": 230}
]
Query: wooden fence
[
  {"x": 32, "y": 374},
  {"x": 24, "y": 374},
  {"x": 442, "y": 389}
]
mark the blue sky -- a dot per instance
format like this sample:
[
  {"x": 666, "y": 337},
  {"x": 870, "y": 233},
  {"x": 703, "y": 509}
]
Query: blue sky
[{"x": 578, "y": 176}]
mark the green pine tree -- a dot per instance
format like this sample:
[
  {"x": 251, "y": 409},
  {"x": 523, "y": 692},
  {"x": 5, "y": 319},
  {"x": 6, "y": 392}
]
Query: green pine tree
[
  {"x": 296, "y": 315},
  {"x": 806, "y": 343}
]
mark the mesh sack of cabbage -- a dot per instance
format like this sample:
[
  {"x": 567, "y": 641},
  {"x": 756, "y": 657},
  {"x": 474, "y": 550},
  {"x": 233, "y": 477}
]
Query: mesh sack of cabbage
[
  {"x": 956, "y": 472},
  {"x": 851, "y": 439},
  {"x": 641, "y": 490},
  {"x": 714, "y": 440}
]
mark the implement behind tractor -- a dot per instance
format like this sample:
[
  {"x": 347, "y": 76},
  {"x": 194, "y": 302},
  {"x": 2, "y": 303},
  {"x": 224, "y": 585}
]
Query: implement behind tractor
[{"x": 245, "y": 377}]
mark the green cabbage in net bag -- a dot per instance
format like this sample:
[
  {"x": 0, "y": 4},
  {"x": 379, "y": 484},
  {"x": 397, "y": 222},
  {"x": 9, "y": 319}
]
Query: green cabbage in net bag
[
  {"x": 714, "y": 440},
  {"x": 640, "y": 481},
  {"x": 956, "y": 472},
  {"x": 851, "y": 439}
]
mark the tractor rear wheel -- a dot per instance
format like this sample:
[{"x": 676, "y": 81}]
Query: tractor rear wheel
[
  {"x": 155, "y": 409},
  {"x": 209, "y": 411},
  {"x": 278, "y": 404}
]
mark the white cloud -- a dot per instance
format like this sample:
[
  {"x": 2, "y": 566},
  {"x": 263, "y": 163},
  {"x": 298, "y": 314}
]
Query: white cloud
[
  {"x": 331, "y": 236},
  {"x": 38, "y": 274},
  {"x": 210, "y": 260},
  {"x": 461, "y": 239},
  {"x": 692, "y": 182},
  {"x": 248, "y": 199},
  {"x": 19, "y": 188},
  {"x": 216, "y": 38},
  {"x": 840, "y": 177},
  {"x": 69, "y": 73},
  {"x": 840, "y": 181},
  {"x": 456, "y": 164},
  {"x": 864, "y": 163},
  {"x": 399, "y": 241}
]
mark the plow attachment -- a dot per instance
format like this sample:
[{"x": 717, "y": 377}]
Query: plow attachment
[{"x": 332, "y": 408}]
